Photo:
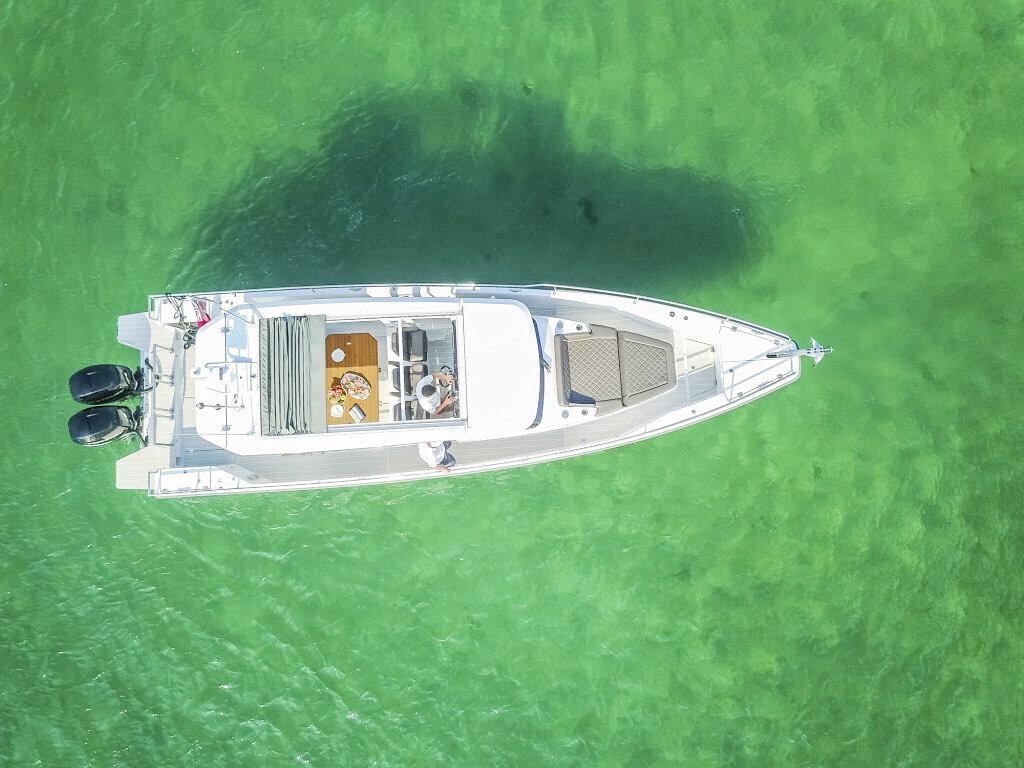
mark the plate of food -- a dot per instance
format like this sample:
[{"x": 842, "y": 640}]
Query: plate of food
[
  {"x": 336, "y": 394},
  {"x": 355, "y": 385}
]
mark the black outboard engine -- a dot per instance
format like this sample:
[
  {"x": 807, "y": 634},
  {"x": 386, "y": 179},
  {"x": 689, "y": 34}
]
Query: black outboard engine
[
  {"x": 100, "y": 384},
  {"x": 102, "y": 424}
]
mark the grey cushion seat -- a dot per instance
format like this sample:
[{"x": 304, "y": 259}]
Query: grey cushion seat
[
  {"x": 611, "y": 369},
  {"x": 587, "y": 366},
  {"x": 414, "y": 345},
  {"x": 410, "y": 410},
  {"x": 648, "y": 367},
  {"x": 404, "y": 379}
]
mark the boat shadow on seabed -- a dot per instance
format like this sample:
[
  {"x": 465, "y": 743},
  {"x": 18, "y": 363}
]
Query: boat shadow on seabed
[{"x": 462, "y": 186}]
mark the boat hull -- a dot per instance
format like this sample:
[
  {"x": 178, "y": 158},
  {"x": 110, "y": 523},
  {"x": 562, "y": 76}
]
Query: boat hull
[{"x": 721, "y": 363}]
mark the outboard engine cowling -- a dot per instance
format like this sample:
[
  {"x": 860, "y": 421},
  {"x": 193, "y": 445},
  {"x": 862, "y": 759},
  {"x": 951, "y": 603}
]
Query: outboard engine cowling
[
  {"x": 102, "y": 424},
  {"x": 100, "y": 384}
]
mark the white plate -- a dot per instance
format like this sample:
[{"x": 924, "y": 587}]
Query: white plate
[
  {"x": 338, "y": 355},
  {"x": 337, "y": 410}
]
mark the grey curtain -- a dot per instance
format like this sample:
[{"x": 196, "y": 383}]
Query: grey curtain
[{"x": 293, "y": 385}]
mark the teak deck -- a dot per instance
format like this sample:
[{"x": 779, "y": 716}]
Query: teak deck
[{"x": 361, "y": 357}]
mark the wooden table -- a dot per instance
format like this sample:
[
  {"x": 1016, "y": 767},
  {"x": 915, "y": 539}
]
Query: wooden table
[{"x": 360, "y": 357}]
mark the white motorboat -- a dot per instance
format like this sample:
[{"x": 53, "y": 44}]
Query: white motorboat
[{"x": 333, "y": 386}]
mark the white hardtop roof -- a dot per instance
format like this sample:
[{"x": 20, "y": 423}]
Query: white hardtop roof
[{"x": 498, "y": 369}]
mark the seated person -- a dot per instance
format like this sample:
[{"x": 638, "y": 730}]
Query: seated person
[{"x": 429, "y": 395}]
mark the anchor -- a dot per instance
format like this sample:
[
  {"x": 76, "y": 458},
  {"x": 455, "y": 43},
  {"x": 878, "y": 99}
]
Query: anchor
[{"x": 816, "y": 352}]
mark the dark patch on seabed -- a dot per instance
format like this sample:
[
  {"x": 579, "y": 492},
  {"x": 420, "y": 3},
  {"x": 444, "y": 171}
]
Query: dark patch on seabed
[{"x": 373, "y": 205}]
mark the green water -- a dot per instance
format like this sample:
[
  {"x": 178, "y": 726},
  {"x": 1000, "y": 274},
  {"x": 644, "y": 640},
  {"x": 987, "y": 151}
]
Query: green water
[{"x": 831, "y": 576}]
